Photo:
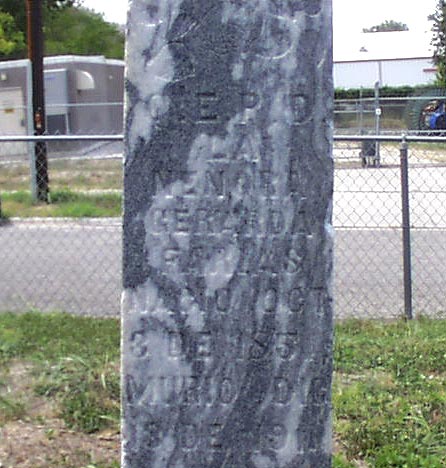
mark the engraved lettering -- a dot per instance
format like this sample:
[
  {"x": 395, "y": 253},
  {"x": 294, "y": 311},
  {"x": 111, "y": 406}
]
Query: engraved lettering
[
  {"x": 182, "y": 220},
  {"x": 293, "y": 262},
  {"x": 147, "y": 395},
  {"x": 207, "y": 107},
  {"x": 267, "y": 183},
  {"x": 196, "y": 255},
  {"x": 158, "y": 225},
  {"x": 204, "y": 345},
  {"x": 170, "y": 388},
  {"x": 223, "y": 299},
  {"x": 286, "y": 345},
  {"x": 296, "y": 300},
  {"x": 139, "y": 344},
  {"x": 240, "y": 346},
  {"x": 191, "y": 394},
  {"x": 300, "y": 105},
  {"x": 244, "y": 181},
  {"x": 276, "y": 222},
  {"x": 216, "y": 182},
  {"x": 214, "y": 432},
  {"x": 247, "y": 147},
  {"x": 250, "y": 100},
  {"x": 171, "y": 255},
  {"x": 294, "y": 176},
  {"x": 131, "y": 390},
  {"x": 203, "y": 220},
  {"x": 259, "y": 346},
  {"x": 151, "y": 430},
  {"x": 276, "y": 436},
  {"x": 270, "y": 301},
  {"x": 174, "y": 345},
  {"x": 282, "y": 391},
  {"x": 188, "y": 436},
  {"x": 227, "y": 391},
  {"x": 268, "y": 260}
]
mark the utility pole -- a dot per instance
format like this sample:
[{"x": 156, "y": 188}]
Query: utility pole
[{"x": 35, "y": 55}]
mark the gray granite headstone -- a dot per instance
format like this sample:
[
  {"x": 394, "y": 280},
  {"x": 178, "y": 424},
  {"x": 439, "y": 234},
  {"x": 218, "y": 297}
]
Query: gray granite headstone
[{"x": 227, "y": 308}]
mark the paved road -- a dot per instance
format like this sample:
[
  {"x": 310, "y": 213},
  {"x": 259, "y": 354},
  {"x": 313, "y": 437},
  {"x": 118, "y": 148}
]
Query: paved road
[{"x": 75, "y": 266}]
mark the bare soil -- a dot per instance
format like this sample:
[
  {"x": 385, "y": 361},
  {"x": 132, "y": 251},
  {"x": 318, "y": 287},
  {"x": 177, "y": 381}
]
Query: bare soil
[{"x": 37, "y": 438}]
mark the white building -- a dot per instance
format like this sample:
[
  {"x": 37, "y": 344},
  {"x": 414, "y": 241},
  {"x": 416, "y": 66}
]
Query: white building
[{"x": 391, "y": 58}]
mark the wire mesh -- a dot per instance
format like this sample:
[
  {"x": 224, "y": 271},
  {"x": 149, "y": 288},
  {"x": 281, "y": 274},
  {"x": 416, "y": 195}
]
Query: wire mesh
[
  {"x": 367, "y": 219},
  {"x": 71, "y": 260},
  {"x": 427, "y": 181},
  {"x": 62, "y": 252}
]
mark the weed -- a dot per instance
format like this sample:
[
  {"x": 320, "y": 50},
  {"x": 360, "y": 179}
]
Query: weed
[
  {"x": 76, "y": 360},
  {"x": 10, "y": 409},
  {"x": 88, "y": 392}
]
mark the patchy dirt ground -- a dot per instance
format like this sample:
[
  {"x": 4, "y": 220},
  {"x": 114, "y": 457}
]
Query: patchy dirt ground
[{"x": 32, "y": 436}]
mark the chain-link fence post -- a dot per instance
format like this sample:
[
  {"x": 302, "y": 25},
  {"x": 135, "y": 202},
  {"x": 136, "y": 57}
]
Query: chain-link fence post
[
  {"x": 407, "y": 256},
  {"x": 35, "y": 52},
  {"x": 30, "y": 129},
  {"x": 377, "y": 159}
]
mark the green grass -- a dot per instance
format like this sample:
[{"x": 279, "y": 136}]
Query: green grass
[
  {"x": 389, "y": 393},
  {"x": 63, "y": 203},
  {"x": 77, "y": 174},
  {"x": 389, "y": 390},
  {"x": 10, "y": 409},
  {"x": 76, "y": 361}
]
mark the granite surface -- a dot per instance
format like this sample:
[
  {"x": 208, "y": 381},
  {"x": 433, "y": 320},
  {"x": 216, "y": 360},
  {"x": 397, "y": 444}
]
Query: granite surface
[{"x": 227, "y": 305}]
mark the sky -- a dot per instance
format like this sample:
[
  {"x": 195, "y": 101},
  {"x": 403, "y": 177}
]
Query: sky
[{"x": 349, "y": 16}]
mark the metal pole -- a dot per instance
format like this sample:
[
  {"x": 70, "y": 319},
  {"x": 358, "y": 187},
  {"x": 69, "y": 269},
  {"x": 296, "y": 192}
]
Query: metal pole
[
  {"x": 407, "y": 256},
  {"x": 35, "y": 54},
  {"x": 361, "y": 112},
  {"x": 377, "y": 124},
  {"x": 30, "y": 129}
]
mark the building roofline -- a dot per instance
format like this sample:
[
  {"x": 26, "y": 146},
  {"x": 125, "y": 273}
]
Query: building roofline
[
  {"x": 6, "y": 64},
  {"x": 81, "y": 59},
  {"x": 62, "y": 59},
  {"x": 382, "y": 59}
]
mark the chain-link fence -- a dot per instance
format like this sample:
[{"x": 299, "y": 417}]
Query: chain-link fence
[
  {"x": 375, "y": 242},
  {"x": 386, "y": 115},
  {"x": 66, "y": 255}
]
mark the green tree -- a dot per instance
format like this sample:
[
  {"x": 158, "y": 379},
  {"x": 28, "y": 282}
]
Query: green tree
[
  {"x": 439, "y": 41},
  {"x": 68, "y": 29},
  {"x": 17, "y": 9},
  {"x": 387, "y": 26},
  {"x": 12, "y": 41},
  {"x": 81, "y": 31}
]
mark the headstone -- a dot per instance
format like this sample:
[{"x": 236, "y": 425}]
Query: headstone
[{"x": 227, "y": 307}]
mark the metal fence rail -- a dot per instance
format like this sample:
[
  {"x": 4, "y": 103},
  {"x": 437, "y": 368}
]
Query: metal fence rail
[{"x": 389, "y": 218}]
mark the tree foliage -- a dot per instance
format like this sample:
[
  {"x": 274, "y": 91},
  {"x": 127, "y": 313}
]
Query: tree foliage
[
  {"x": 12, "y": 41},
  {"x": 17, "y": 9},
  {"x": 387, "y": 26},
  {"x": 68, "y": 29},
  {"x": 81, "y": 31},
  {"x": 439, "y": 41}
]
